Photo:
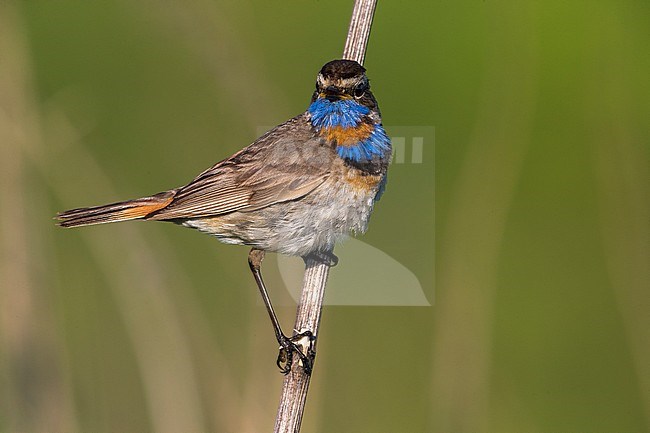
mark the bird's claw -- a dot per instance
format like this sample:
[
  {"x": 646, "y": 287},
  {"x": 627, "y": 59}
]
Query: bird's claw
[
  {"x": 327, "y": 257},
  {"x": 296, "y": 344}
]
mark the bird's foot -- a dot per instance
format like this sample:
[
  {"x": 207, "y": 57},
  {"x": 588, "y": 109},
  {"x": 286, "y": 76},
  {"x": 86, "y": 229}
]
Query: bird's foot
[
  {"x": 300, "y": 344},
  {"x": 326, "y": 257}
]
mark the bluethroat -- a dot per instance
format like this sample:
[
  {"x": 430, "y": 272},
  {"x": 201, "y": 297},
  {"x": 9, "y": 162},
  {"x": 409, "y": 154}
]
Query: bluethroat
[{"x": 296, "y": 190}]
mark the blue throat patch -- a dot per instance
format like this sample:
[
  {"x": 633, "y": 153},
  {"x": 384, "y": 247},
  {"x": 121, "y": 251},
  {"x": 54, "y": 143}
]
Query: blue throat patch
[
  {"x": 347, "y": 113},
  {"x": 377, "y": 145}
]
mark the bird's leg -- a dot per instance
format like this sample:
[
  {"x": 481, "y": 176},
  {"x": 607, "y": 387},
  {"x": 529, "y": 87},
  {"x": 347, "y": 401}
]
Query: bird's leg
[{"x": 288, "y": 345}]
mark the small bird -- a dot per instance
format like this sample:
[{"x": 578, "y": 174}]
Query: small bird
[{"x": 296, "y": 190}]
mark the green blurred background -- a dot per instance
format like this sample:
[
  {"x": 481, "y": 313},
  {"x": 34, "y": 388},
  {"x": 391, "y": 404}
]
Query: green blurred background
[{"x": 540, "y": 316}]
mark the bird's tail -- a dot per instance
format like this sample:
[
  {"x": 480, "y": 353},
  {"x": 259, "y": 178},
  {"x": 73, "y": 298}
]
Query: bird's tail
[{"x": 111, "y": 213}]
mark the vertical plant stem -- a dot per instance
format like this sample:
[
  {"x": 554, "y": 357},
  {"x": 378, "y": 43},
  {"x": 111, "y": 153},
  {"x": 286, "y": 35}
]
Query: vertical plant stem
[
  {"x": 359, "y": 31},
  {"x": 296, "y": 383}
]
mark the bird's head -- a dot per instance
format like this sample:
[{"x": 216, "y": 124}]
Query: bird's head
[{"x": 341, "y": 80}]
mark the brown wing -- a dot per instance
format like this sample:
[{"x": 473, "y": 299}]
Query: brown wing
[{"x": 284, "y": 164}]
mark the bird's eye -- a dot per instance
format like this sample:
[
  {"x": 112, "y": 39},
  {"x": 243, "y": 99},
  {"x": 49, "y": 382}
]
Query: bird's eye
[{"x": 360, "y": 90}]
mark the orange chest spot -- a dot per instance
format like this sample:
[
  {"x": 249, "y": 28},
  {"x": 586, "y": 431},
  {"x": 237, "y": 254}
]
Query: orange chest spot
[
  {"x": 347, "y": 136},
  {"x": 363, "y": 182}
]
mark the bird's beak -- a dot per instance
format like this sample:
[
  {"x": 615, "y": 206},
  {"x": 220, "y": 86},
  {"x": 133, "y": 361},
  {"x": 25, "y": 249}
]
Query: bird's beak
[{"x": 332, "y": 94}]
